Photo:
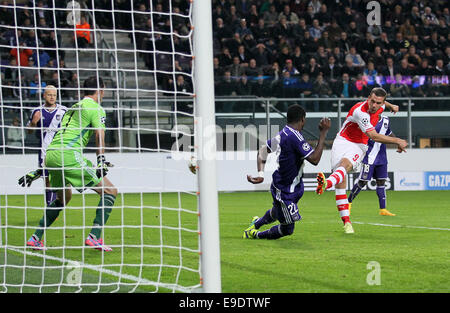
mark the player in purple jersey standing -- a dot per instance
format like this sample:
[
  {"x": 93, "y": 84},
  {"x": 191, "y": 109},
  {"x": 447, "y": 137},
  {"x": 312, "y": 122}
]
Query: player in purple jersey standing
[
  {"x": 46, "y": 120},
  {"x": 287, "y": 187},
  {"x": 374, "y": 165}
]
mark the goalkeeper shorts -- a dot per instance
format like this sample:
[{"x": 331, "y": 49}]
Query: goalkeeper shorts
[{"x": 69, "y": 167}]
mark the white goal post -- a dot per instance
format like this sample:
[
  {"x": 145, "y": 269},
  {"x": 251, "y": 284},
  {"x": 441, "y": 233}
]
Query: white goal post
[{"x": 156, "y": 59}]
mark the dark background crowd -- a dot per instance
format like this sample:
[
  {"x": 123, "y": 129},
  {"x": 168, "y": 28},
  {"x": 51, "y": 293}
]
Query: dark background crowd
[{"x": 265, "y": 48}]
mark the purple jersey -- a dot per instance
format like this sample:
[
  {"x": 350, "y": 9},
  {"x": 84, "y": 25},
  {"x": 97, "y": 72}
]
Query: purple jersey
[
  {"x": 291, "y": 149},
  {"x": 48, "y": 124},
  {"x": 376, "y": 152}
]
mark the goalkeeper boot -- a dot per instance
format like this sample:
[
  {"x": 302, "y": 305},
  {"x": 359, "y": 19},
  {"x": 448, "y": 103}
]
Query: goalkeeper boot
[
  {"x": 35, "y": 243},
  {"x": 321, "y": 183},
  {"x": 386, "y": 212},
  {"x": 252, "y": 226},
  {"x": 92, "y": 241},
  {"x": 348, "y": 228}
]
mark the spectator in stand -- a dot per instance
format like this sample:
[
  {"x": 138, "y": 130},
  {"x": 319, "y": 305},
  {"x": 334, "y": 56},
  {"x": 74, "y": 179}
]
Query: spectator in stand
[
  {"x": 299, "y": 59},
  {"x": 321, "y": 88},
  {"x": 378, "y": 58},
  {"x": 283, "y": 29},
  {"x": 344, "y": 43},
  {"x": 260, "y": 31},
  {"x": 253, "y": 16},
  {"x": 356, "y": 58},
  {"x": 299, "y": 29},
  {"x": 83, "y": 33},
  {"x": 326, "y": 42},
  {"x": 350, "y": 68},
  {"x": 413, "y": 58},
  {"x": 339, "y": 56},
  {"x": 141, "y": 15},
  {"x": 225, "y": 58},
  {"x": 370, "y": 72},
  {"x": 344, "y": 87},
  {"x": 261, "y": 56},
  {"x": 307, "y": 91},
  {"x": 243, "y": 55},
  {"x": 243, "y": 29},
  {"x": 14, "y": 134},
  {"x": 252, "y": 70},
  {"x": 289, "y": 67},
  {"x": 407, "y": 30},
  {"x": 315, "y": 30},
  {"x": 439, "y": 69},
  {"x": 334, "y": 30},
  {"x": 236, "y": 69},
  {"x": 323, "y": 16},
  {"x": 399, "y": 88},
  {"x": 425, "y": 68},
  {"x": 291, "y": 17},
  {"x": 331, "y": 70},
  {"x": 41, "y": 57},
  {"x": 430, "y": 16},
  {"x": 37, "y": 87},
  {"x": 22, "y": 54},
  {"x": 321, "y": 56},
  {"x": 404, "y": 69},
  {"x": 271, "y": 16},
  {"x": 312, "y": 68},
  {"x": 416, "y": 89},
  {"x": 390, "y": 69},
  {"x": 261, "y": 88},
  {"x": 29, "y": 72}
]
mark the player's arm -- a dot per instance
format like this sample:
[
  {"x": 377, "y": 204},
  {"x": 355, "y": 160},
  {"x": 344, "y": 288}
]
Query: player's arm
[
  {"x": 401, "y": 144},
  {"x": 33, "y": 122},
  {"x": 392, "y": 107},
  {"x": 324, "y": 126},
  {"x": 261, "y": 159}
]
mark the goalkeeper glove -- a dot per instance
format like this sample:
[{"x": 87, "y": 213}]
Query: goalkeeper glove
[
  {"x": 102, "y": 166},
  {"x": 29, "y": 178}
]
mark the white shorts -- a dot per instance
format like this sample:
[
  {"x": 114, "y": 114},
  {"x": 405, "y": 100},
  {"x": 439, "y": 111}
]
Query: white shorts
[{"x": 342, "y": 148}]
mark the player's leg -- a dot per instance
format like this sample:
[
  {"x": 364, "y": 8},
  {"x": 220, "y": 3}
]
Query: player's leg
[
  {"x": 364, "y": 176},
  {"x": 50, "y": 195},
  {"x": 51, "y": 213},
  {"x": 108, "y": 193},
  {"x": 381, "y": 175},
  {"x": 286, "y": 212}
]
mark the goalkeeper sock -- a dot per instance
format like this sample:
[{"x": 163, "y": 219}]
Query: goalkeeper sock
[
  {"x": 50, "y": 215},
  {"x": 102, "y": 214}
]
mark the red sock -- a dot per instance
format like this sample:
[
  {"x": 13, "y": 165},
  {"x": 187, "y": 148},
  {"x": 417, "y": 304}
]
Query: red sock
[
  {"x": 336, "y": 177},
  {"x": 342, "y": 205}
]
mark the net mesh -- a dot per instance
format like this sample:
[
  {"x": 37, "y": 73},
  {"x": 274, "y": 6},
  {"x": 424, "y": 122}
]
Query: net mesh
[{"x": 143, "y": 52}]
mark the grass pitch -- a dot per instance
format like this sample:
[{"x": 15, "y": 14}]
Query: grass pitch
[{"x": 410, "y": 251}]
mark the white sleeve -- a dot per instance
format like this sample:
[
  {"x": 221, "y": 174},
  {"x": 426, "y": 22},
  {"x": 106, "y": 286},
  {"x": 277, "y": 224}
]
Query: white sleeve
[{"x": 363, "y": 121}]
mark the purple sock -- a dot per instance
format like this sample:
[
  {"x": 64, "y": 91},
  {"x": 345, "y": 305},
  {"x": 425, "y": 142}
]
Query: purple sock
[
  {"x": 266, "y": 219},
  {"x": 381, "y": 193},
  {"x": 272, "y": 233},
  {"x": 50, "y": 196},
  {"x": 355, "y": 191}
]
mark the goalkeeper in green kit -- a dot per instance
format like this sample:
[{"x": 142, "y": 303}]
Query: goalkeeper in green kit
[{"x": 68, "y": 167}]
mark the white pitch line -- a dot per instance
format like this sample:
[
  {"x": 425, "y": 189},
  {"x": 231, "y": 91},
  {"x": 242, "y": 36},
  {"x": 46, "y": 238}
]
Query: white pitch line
[
  {"x": 404, "y": 226},
  {"x": 100, "y": 269}
]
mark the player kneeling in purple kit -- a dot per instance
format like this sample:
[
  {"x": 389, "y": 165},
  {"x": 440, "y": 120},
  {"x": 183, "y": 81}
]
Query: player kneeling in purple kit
[
  {"x": 374, "y": 165},
  {"x": 287, "y": 181}
]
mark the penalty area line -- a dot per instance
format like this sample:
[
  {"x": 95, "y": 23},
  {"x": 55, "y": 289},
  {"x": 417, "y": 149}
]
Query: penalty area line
[
  {"x": 402, "y": 226},
  {"x": 100, "y": 269}
]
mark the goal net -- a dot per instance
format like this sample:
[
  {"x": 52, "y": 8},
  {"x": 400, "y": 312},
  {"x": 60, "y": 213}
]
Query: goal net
[{"x": 158, "y": 229}]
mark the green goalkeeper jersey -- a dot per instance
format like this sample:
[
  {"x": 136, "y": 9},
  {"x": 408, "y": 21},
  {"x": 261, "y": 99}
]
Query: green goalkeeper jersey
[{"x": 78, "y": 125}]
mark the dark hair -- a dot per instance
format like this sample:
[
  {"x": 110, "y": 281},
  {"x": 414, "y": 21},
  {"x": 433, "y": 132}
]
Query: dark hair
[
  {"x": 379, "y": 92},
  {"x": 295, "y": 113},
  {"x": 92, "y": 85}
]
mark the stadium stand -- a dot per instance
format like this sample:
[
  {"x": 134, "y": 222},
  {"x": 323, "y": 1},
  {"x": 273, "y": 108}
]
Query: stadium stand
[{"x": 297, "y": 48}]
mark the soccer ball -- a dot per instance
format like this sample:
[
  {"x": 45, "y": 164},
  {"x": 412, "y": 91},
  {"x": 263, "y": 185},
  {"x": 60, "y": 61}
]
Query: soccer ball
[{"x": 193, "y": 165}]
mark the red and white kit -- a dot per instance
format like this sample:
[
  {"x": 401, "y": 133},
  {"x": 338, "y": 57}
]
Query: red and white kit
[{"x": 351, "y": 140}]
